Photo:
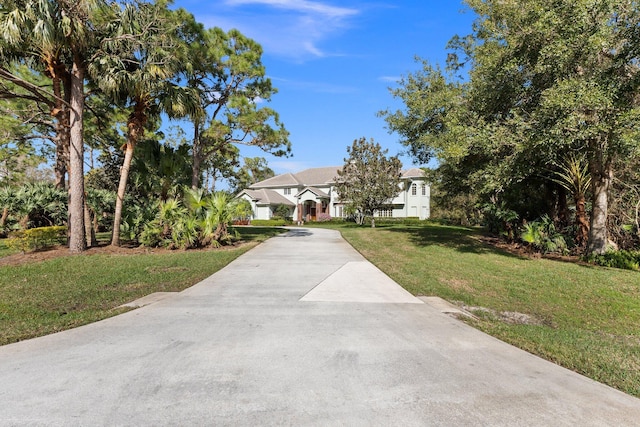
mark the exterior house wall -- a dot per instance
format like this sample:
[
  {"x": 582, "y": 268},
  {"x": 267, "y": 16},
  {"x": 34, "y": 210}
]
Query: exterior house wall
[
  {"x": 303, "y": 196},
  {"x": 263, "y": 212}
]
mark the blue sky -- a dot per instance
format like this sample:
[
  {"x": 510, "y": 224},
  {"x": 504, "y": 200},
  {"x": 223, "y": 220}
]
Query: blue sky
[{"x": 333, "y": 62}]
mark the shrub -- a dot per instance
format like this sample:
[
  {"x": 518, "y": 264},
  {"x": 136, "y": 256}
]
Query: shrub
[
  {"x": 282, "y": 211},
  {"x": 628, "y": 260},
  {"x": 410, "y": 220},
  {"x": 500, "y": 220},
  {"x": 37, "y": 238},
  {"x": 323, "y": 217},
  {"x": 542, "y": 235}
]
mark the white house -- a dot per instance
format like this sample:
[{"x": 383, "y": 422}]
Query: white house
[{"x": 312, "y": 192}]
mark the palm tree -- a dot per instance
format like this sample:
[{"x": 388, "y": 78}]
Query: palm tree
[
  {"x": 220, "y": 212},
  {"x": 56, "y": 38},
  {"x": 137, "y": 71},
  {"x": 575, "y": 178}
]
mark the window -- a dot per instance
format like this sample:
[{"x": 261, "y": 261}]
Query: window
[
  {"x": 424, "y": 189},
  {"x": 287, "y": 191},
  {"x": 385, "y": 212},
  {"x": 414, "y": 189}
]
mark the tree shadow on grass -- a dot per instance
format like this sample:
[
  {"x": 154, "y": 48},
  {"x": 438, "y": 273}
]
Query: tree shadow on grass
[{"x": 461, "y": 239}]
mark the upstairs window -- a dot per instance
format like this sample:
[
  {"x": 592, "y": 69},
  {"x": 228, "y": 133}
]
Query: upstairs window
[
  {"x": 414, "y": 189},
  {"x": 424, "y": 189},
  {"x": 287, "y": 191}
]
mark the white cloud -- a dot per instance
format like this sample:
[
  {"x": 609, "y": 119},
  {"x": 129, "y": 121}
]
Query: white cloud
[
  {"x": 301, "y": 6},
  {"x": 390, "y": 79},
  {"x": 296, "y": 29}
]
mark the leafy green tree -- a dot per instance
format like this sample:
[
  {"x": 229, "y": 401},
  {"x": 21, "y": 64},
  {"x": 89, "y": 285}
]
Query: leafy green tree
[
  {"x": 137, "y": 72},
  {"x": 223, "y": 162},
  {"x": 227, "y": 71},
  {"x": 544, "y": 80},
  {"x": 56, "y": 38},
  {"x": 254, "y": 169},
  {"x": 160, "y": 170},
  {"x": 368, "y": 180}
]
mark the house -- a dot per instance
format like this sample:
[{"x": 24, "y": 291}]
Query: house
[{"x": 311, "y": 193}]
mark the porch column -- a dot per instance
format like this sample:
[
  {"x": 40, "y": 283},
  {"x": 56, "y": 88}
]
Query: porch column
[
  {"x": 299, "y": 212},
  {"x": 318, "y": 209}
]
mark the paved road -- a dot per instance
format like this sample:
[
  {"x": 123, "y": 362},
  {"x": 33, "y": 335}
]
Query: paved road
[{"x": 299, "y": 331}]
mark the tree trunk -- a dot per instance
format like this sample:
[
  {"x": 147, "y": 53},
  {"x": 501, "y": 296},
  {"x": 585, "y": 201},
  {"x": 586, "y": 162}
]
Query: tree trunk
[
  {"x": 197, "y": 157},
  {"x": 135, "y": 126},
  {"x": 61, "y": 86},
  {"x": 88, "y": 225},
  {"x": 77, "y": 241},
  {"x": 3, "y": 218},
  {"x": 601, "y": 177},
  {"x": 122, "y": 187},
  {"x": 581, "y": 222}
]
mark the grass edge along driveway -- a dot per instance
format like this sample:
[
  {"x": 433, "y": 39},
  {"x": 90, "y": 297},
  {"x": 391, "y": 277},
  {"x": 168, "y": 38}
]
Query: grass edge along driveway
[
  {"x": 40, "y": 298},
  {"x": 583, "y": 317}
]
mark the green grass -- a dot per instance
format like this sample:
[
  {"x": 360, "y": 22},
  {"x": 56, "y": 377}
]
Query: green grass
[
  {"x": 587, "y": 317},
  {"x": 49, "y": 296}
]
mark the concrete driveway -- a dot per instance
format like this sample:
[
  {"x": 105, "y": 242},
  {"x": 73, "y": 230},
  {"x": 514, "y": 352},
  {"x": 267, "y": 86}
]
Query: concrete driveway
[{"x": 299, "y": 331}]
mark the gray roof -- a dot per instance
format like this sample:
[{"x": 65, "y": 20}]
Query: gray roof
[
  {"x": 317, "y": 177},
  {"x": 266, "y": 197},
  {"x": 308, "y": 178},
  {"x": 413, "y": 173},
  {"x": 284, "y": 180},
  {"x": 315, "y": 191}
]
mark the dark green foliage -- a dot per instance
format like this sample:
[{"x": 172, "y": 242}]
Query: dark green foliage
[
  {"x": 254, "y": 169},
  {"x": 542, "y": 236},
  {"x": 628, "y": 260},
  {"x": 542, "y": 84},
  {"x": 33, "y": 205},
  {"x": 194, "y": 220},
  {"x": 500, "y": 220},
  {"x": 282, "y": 211}
]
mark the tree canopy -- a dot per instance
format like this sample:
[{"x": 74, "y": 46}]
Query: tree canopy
[
  {"x": 545, "y": 81},
  {"x": 103, "y": 76}
]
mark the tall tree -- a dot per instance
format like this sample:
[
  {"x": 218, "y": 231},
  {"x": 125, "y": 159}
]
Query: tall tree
[
  {"x": 227, "y": 71},
  {"x": 544, "y": 79},
  {"x": 57, "y": 37},
  {"x": 137, "y": 71},
  {"x": 368, "y": 180},
  {"x": 34, "y": 46},
  {"x": 254, "y": 169}
]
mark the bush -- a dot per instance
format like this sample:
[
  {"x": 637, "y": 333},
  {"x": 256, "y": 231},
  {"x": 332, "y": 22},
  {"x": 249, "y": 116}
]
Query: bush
[
  {"x": 323, "y": 217},
  {"x": 628, "y": 260},
  {"x": 542, "y": 235},
  {"x": 410, "y": 220},
  {"x": 500, "y": 220},
  {"x": 37, "y": 238},
  {"x": 282, "y": 211}
]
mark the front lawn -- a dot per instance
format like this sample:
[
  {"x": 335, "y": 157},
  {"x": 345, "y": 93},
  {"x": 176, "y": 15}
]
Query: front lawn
[
  {"x": 42, "y": 297},
  {"x": 583, "y": 317}
]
